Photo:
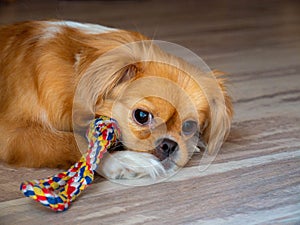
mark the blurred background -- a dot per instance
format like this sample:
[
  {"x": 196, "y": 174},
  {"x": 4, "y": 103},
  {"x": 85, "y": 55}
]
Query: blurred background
[{"x": 210, "y": 28}]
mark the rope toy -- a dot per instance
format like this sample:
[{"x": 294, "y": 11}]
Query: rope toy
[{"x": 57, "y": 192}]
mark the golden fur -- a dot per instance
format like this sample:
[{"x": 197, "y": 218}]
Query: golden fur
[{"x": 41, "y": 76}]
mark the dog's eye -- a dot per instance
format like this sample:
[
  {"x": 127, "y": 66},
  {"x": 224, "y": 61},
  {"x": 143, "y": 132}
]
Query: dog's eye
[
  {"x": 142, "y": 117},
  {"x": 189, "y": 127}
]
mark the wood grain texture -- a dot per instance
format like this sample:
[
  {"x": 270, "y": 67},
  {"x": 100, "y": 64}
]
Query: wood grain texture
[{"x": 255, "y": 178}]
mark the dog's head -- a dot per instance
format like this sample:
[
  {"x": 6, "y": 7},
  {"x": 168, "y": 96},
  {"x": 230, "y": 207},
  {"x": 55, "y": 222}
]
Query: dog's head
[{"x": 165, "y": 107}]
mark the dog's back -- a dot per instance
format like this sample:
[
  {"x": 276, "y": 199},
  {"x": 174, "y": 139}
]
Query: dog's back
[
  {"x": 35, "y": 102},
  {"x": 41, "y": 63}
]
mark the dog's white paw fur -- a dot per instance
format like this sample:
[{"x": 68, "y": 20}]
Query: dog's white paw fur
[{"x": 130, "y": 165}]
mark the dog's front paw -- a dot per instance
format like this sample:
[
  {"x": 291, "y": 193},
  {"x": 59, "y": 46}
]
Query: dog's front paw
[{"x": 130, "y": 165}]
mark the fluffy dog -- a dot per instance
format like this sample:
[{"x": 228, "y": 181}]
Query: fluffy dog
[{"x": 57, "y": 75}]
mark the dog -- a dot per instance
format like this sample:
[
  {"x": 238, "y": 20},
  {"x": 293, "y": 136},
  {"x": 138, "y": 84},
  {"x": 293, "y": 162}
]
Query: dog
[{"x": 55, "y": 76}]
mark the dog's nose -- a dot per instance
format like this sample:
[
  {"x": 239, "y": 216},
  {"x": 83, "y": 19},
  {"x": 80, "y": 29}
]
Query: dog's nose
[{"x": 165, "y": 147}]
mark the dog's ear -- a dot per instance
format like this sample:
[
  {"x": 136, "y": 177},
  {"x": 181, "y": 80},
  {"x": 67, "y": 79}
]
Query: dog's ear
[
  {"x": 127, "y": 73},
  {"x": 103, "y": 74},
  {"x": 94, "y": 87},
  {"x": 219, "y": 116}
]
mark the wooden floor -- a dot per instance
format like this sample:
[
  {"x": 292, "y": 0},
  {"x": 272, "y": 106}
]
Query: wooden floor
[{"x": 255, "y": 179}]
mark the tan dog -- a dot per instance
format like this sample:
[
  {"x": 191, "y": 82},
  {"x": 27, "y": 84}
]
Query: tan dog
[{"x": 51, "y": 70}]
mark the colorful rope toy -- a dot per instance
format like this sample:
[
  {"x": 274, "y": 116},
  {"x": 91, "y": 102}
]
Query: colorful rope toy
[{"x": 57, "y": 192}]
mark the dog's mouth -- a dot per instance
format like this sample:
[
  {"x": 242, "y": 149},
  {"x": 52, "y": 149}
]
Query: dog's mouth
[
  {"x": 117, "y": 147},
  {"x": 167, "y": 157},
  {"x": 166, "y": 151}
]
